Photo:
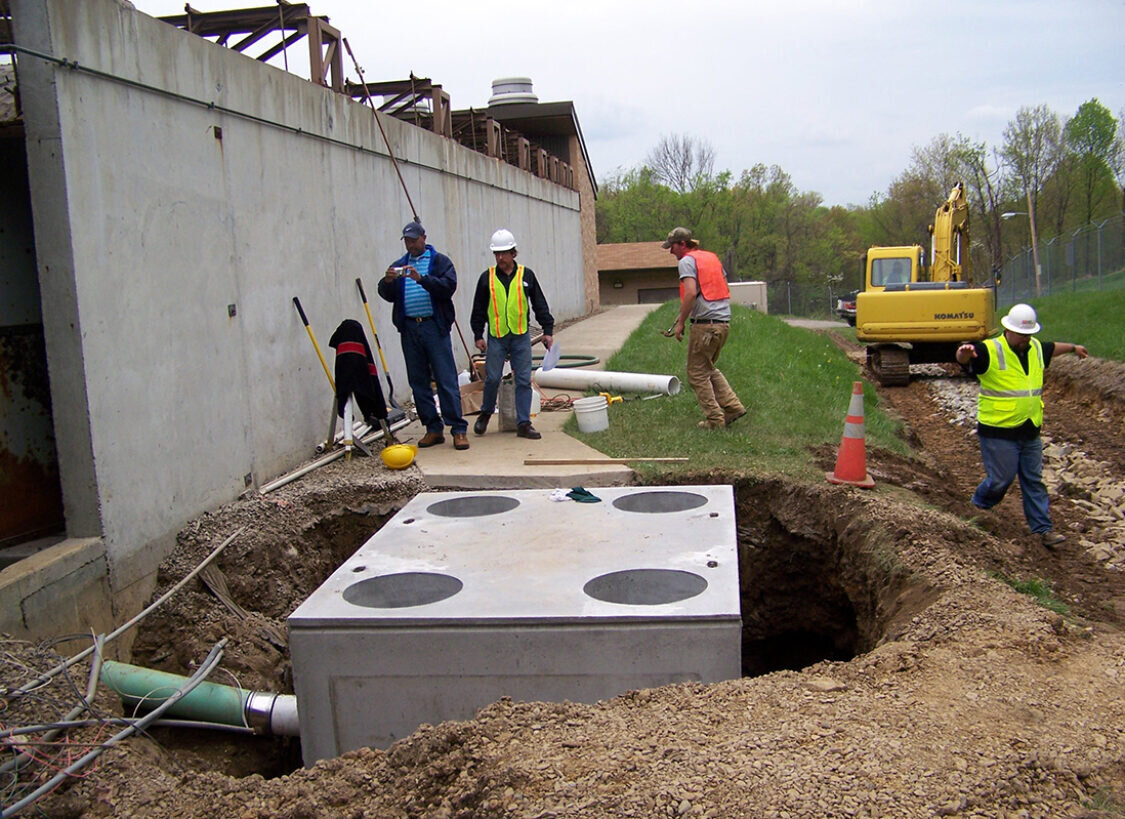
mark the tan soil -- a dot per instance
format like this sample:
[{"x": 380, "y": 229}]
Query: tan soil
[{"x": 958, "y": 696}]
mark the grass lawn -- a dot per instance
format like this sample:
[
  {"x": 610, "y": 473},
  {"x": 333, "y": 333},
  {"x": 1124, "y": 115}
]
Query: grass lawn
[
  {"x": 795, "y": 383},
  {"x": 1094, "y": 319}
]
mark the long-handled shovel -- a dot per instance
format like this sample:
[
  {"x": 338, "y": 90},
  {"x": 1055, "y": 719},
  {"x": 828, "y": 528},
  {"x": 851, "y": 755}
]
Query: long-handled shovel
[
  {"x": 398, "y": 411},
  {"x": 332, "y": 420},
  {"x": 312, "y": 336}
]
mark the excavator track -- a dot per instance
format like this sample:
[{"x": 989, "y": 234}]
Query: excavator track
[{"x": 889, "y": 364}]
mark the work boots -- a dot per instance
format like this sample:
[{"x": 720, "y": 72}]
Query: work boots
[
  {"x": 481, "y": 423},
  {"x": 1051, "y": 540},
  {"x": 526, "y": 430}
]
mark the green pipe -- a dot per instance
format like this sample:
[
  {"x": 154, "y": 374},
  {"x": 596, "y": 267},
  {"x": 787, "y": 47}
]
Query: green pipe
[
  {"x": 143, "y": 689},
  {"x": 573, "y": 361}
]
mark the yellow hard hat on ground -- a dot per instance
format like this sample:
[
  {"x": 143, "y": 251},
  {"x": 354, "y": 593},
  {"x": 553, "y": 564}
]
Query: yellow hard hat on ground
[{"x": 399, "y": 456}]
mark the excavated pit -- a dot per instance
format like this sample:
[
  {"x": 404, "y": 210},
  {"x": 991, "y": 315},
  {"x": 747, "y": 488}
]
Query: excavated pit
[{"x": 813, "y": 587}]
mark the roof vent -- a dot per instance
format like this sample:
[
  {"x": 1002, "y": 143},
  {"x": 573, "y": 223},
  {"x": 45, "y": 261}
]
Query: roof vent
[{"x": 510, "y": 90}]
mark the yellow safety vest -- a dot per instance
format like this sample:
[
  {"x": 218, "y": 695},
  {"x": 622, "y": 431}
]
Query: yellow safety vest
[
  {"x": 1008, "y": 395},
  {"x": 508, "y": 311}
]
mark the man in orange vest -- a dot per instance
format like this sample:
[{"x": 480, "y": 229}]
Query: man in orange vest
[
  {"x": 505, "y": 292},
  {"x": 705, "y": 300}
]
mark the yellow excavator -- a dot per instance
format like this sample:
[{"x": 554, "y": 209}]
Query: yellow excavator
[{"x": 909, "y": 313}]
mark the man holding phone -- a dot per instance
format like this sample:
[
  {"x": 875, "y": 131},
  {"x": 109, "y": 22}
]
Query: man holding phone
[{"x": 420, "y": 285}]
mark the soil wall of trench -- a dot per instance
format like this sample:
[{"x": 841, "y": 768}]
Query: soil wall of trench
[{"x": 886, "y": 672}]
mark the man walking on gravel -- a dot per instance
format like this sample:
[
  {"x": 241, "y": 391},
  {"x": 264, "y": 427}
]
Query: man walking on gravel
[{"x": 1010, "y": 414}]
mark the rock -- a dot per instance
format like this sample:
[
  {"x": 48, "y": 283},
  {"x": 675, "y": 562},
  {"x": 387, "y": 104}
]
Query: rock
[{"x": 825, "y": 684}]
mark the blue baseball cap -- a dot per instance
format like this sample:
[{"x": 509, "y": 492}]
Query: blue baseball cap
[{"x": 413, "y": 230}]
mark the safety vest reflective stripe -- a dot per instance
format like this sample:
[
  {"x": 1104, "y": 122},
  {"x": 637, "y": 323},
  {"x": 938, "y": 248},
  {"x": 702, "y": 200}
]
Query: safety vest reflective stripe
[
  {"x": 508, "y": 313},
  {"x": 709, "y": 272},
  {"x": 1009, "y": 397},
  {"x": 1011, "y": 393},
  {"x": 998, "y": 354}
]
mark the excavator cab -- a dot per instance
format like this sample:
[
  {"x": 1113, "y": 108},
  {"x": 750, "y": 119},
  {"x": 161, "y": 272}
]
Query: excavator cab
[{"x": 892, "y": 271}]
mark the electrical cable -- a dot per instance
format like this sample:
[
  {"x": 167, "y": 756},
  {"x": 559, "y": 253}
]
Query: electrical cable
[
  {"x": 48, "y": 675},
  {"x": 85, "y": 704},
  {"x": 70, "y": 771},
  {"x": 556, "y": 403},
  {"x": 161, "y": 723}
]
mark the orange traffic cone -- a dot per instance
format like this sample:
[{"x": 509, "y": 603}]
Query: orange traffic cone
[{"x": 851, "y": 461}]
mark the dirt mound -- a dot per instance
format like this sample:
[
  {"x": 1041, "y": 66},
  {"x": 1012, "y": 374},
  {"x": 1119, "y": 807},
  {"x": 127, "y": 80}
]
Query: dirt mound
[{"x": 893, "y": 668}]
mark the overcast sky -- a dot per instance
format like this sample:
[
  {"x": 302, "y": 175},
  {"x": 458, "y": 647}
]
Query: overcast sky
[{"x": 835, "y": 92}]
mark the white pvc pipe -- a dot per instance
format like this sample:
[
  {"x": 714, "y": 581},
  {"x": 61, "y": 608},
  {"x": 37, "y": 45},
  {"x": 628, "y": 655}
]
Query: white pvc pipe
[{"x": 606, "y": 381}]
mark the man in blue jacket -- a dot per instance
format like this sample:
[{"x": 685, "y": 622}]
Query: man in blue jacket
[{"x": 420, "y": 285}]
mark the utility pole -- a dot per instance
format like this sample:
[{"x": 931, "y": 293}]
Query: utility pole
[{"x": 1034, "y": 244}]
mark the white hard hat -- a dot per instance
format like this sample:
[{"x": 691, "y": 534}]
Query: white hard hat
[
  {"x": 1021, "y": 319},
  {"x": 502, "y": 240}
]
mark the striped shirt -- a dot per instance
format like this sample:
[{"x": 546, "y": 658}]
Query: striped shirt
[{"x": 416, "y": 301}]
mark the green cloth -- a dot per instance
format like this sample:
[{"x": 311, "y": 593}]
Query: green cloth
[{"x": 582, "y": 495}]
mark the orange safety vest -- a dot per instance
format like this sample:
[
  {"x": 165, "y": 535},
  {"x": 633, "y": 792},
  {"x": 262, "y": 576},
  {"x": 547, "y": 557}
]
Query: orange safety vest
[
  {"x": 709, "y": 270},
  {"x": 508, "y": 311}
]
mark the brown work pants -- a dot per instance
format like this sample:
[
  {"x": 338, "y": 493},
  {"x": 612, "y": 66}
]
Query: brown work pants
[{"x": 717, "y": 400}]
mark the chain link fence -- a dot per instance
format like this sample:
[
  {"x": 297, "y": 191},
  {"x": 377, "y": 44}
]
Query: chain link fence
[
  {"x": 805, "y": 300},
  {"x": 1090, "y": 258}
]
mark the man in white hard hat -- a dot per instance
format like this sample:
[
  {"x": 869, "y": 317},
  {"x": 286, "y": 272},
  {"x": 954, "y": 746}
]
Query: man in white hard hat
[
  {"x": 1010, "y": 414},
  {"x": 504, "y": 293}
]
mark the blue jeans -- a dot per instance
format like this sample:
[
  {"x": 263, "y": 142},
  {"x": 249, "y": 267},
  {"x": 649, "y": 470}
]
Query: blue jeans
[
  {"x": 429, "y": 357},
  {"x": 1003, "y": 460},
  {"x": 517, "y": 348}
]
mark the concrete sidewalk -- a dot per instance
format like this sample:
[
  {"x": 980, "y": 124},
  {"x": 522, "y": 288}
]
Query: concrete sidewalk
[{"x": 496, "y": 460}]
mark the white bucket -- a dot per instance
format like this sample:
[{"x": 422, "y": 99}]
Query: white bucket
[{"x": 591, "y": 413}]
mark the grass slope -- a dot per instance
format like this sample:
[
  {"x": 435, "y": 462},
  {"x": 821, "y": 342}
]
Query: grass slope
[{"x": 796, "y": 384}]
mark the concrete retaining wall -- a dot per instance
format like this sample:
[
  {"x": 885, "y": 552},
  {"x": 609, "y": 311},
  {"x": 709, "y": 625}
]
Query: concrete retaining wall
[{"x": 172, "y": 236}]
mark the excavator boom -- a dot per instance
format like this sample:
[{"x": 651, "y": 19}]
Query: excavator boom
[{"x": 949, "y": 234}]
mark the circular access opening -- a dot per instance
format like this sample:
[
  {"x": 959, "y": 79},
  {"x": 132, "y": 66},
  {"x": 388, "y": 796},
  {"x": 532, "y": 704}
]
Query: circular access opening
[
  {"x": 397, "y": 591},
  {"x": 659, "y": 502},
  {"x": 645, "y": 587},
  {"x": 472, "y": 506}
]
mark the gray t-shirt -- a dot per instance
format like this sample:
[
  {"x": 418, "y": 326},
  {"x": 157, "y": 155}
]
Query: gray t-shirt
[{"x": 718, "y": 310}]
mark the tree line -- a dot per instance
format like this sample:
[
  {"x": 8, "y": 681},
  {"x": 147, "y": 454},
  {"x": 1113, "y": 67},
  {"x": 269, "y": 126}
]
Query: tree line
[{"x": 1067, "y": 171}]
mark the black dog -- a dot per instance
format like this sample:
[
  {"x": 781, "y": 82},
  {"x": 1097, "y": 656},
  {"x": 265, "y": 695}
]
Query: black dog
[{"x": 356, "y": 374}]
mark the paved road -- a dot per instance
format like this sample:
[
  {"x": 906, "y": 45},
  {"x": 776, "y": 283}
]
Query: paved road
[{"x": 815, "y": 324}]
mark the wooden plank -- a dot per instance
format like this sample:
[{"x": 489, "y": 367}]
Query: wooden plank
[{"x": 597, "y": 461}]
